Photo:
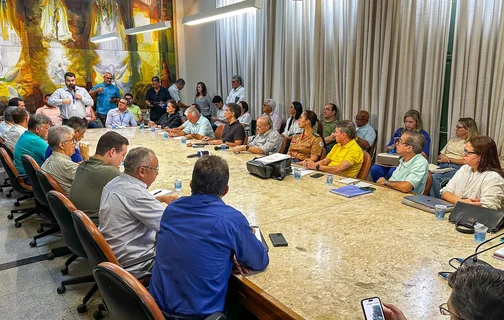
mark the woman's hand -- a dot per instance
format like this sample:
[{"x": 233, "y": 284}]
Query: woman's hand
[{"x": 443, "y": 158}]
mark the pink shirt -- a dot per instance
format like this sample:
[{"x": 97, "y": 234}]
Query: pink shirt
[{"x": 54, "y": 113}]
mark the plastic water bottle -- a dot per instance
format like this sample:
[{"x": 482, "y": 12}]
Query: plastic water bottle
[{"x": 147, "y": 118}]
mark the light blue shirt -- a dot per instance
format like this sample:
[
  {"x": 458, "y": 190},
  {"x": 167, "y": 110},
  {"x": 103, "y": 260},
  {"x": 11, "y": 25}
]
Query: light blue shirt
[
  {"x": 124, "y": 119},
  {"x": 76, "y": 107},
  {"x": 202, "y": 127},
  {"x": 367, "y": 133},
  {"x": 414, "y": 171},
  {"x": 103, "y": 104}
]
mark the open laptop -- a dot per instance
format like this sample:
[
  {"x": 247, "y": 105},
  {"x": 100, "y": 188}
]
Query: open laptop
[{"x": 426, "y": 203}]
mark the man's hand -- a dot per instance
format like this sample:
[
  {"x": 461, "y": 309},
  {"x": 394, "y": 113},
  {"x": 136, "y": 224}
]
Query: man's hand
[
  {"x": 152, "y": 124},
  {"x": 66, "y": 101},
  {"x": 78, "y": 96},
  {"x": 100, "y": 89},
  {"x": 239, "y": 268},
  {"x": 166, "y": 198},
  {"x": 238, "y": 149},
  {"x": 206, "y": 138},
  {"x": 443, "y": 158},
  {"x": 381, "y": 181},
  {"x": 310, "y": 164},
  {"x": 84, "y": 150},
  {"x": 391, "y": 312}
]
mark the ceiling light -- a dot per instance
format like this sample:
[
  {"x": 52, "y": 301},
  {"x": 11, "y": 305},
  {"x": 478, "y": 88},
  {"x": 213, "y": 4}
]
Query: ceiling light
[
  {"x": 148, "y": 28},
  {"x": 105, "y": 37},
  {"x": 222, "y": 12}
]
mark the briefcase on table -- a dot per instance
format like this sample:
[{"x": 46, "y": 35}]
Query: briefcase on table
[
  {"x": 465, "y": 216},
  {"x": 277, "y": 170}
]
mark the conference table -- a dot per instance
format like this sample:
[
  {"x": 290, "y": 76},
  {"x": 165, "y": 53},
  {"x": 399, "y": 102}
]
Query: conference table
[{"x": 340, "y": 250}]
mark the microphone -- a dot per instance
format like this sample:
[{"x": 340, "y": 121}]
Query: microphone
[
  {"x": 219, "y": 147},
  {"x": 468, "y": 261},
  {"x": 199, "y": 154}
]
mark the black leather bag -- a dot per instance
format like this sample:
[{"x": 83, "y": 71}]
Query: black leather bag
[
  {"x": 277, "y": 170},
  {"x": 466, "y": 215}
]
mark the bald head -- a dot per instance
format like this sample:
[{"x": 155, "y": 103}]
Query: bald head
[
  {"x": 264, "y": 123},
  {"x": 362, "y": 118}
]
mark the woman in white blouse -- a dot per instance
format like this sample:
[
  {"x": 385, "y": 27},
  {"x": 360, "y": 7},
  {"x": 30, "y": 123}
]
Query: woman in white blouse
[
  {"x": 245, "y": 118},
  {"x": 480, "y": 181},
  {"x": 292, "y": 126}
]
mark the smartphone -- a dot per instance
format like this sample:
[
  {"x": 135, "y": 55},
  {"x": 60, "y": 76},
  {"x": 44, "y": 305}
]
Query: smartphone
[
  {"x": 278, "y": 240},
  {"x": 259, "y": 236},
  {"x": 317, "y": 175},
  {"x": 373, "y": 309}
]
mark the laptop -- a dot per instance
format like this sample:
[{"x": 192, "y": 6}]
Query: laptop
[{"x": 426, "y": 203}]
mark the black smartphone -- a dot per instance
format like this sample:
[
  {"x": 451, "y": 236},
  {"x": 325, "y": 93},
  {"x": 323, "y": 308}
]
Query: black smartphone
[
  {"x": 198, "y": 146},
  {"x": 317, "y": 175},
  {"x": 373, "y": 309},
  {"x": 278, "y": 240}
]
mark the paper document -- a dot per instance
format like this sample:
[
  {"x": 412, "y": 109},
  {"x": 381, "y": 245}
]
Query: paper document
[
  {"x": 436, "y": 169},
  {"x": 304, "y": 171},
  {"x": 363, "y": 184},
  {"x": 275, "y": 157},
  {"x": 348, "y": 181},
  {"x": 160, "y": 192}
]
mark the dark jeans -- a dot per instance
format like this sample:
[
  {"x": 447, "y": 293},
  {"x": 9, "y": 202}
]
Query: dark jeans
[
  {"x": 178, "y": 317},
  {"x": 439, "y": 180},
  {"x": 102, "y": 117},
  {"x": 94, "y": 124},
  {"x": 378, "y": 171}
]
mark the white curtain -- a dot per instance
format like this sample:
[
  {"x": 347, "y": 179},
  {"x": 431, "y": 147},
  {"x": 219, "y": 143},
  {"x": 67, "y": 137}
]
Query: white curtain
[
  {"x": 245, "y": 47},
  {"x": 384, "y": 56},
  {"x": 477, "y": 77}
]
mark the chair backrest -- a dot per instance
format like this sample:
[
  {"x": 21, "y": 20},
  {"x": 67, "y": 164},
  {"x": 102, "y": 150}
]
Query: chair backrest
[
  {"x": 62, "y": 209},
  {"x": 323, "y": 154},
  {"x": 7, "y": 148},
  {"x": 31, "y": 167},
  {"x": 253, "y": 125},
  {"x": 218, "y": 132},
  {"x": 124, "y": 296},
  {"x": 282, "y": 127},
  {"x": 92, "y": 240},
  {"x": 366, "y": 166},
  {"x": 47, "y": 182},
  {"x": 284, "y": 143},
  {"x": 372, "y": 149},
  {"x": 16, "y": 181},
  {"x": 245, "y": 141},
  {"x": 428, "y": 184},
  {"x": 2, "y": 140}
]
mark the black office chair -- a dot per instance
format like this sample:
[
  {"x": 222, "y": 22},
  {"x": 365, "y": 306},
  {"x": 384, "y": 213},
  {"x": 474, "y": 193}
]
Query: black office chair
[
  {"x": 62, "y": 209},
  {"x": 31, "y": 167},
  {"x": 126, "y": 298},
  {"x": 19, "y": 185},
  {"x": 6, "y": 183}
]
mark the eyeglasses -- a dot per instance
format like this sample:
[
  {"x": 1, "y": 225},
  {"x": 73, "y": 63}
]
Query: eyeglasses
[
  {"x": 443, "y": 309},
  {"x": 156, "y": 169},
  {"x": 467, "y": 152},
  {"x": 234, "y": 81},
  {"x": 459, "y": 127},
  {"x": 70, "y": 140},
  {"x": 360, "y": 119},
  {"x": 107, "y": 78},
  {"x": 403, "y": 143}
]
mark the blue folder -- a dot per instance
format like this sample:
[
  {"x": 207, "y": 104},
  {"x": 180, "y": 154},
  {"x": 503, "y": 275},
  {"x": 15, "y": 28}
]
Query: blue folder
[{"x": 350, "y": 191}]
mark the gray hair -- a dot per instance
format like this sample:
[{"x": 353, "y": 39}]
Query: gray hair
[
  {"x": 7, "y": 116},
  {"x": 267, "y": 119},
  {"x": 348, "y": 127},
  {"x": 180, "y": 81},
  {"x": 239, "y": 78},
  {"x": 416, "y": 140},
  {"x": 38, "y": 120},
  {"x": 271, "y": 103},
  {"x": 138, "y": 157},
  {"x": 192, "y": 110},
  {"x": 58, "y": 134}
]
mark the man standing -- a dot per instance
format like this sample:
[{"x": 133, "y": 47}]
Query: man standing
[
  {"x": 33, "y": 141},
  {"x": 155, "y": 98},
  {"x": 267, "y": 140},
  {"x": 413, "y": 169},
  {"x": 197, "y": 128},
  {"x": 233, "y": 133},
  {"x": 268, "y": 109},
  {"x": 174, "y": 91},
  {"x": 237, "y": 92},
  {"x": 198, "y": 240},
  {"x": 366, "y": 134},
  {"x": 92, "y": 175},
  {"x": 107, "y": 96},
  {"x": 346, "y": 156},
  {"x": 120, "y": 116},
  {"x": 331, "y": 119},
  {"x": 129, "y": 215},
  {"x": 54, "y": 113},
  {"x": 21, "y": 118},
  {"x": 71, "y": 99}
]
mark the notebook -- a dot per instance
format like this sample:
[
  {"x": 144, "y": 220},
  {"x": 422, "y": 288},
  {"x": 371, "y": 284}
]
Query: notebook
[
  {"x": 426, "y": 203},
  {"x": 349, "y": 191},
  {"x": 499, "y": 254}
]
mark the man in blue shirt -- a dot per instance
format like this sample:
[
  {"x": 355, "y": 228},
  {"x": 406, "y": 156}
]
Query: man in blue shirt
[
  {"x": 121, "y": 116},
  {"x": 81, "y": 152},
  {"x": 33, "y": 141},
  {"x": 198, "y": 240},
  {"x": 107, "y": 97},
  {"x": 366, "y": 134}
]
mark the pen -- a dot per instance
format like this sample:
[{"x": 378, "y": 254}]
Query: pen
[{"x": 157, "y": 192}]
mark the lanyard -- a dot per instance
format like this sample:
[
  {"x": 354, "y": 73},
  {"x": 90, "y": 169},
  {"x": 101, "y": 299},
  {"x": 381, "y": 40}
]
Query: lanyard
[{"x": 121, "y": 118}]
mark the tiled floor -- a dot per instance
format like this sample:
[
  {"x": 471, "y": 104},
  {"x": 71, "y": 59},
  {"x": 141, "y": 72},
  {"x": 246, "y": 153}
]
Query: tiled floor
[{"x": 29, "y": 291}]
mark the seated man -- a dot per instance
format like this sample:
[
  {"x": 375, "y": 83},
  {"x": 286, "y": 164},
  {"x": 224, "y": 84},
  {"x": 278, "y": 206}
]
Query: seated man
[
  {"x": 267, "y": 140},
  {"x": 7, "y": 122},
  {"x": 33, "y": 141},
  {"x": 233, "y": 133},
  {"x": 59, "y": 165},
  {"x": 81, "y": 151},
  {"x": 196, "y": 126},
  {"x": 92, "y": 175},
  {"x": 346, "y": 156},
  {"x": 21, "y": 118},
  {"x": 366, "y": 134},
  {"x": 134, "y": 109},
  {"x": 198, "y": 240},
  {"x": 413, "y": 169},
  {"x": 129, "y": 214},
  {"x": 268, "y": 108},
  {"x": 331, "y": 119},
  {"x": 53, "y": 112},
  {"x": 121, "y": 116}
]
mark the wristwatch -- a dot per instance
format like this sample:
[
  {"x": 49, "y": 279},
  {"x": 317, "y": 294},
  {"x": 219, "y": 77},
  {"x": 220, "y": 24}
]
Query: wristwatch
[
  {"x": 247, "y": 147},
  {"x": 386, "y": 182},
  {"x": 317, "y": 167}
]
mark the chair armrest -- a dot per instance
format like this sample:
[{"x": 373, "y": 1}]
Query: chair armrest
[
  {"x": 20, "y": 179},
  {"x": 134, "y": 262},
  {"x": 216, "y": 316}
]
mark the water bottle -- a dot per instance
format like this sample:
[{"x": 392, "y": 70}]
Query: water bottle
[{"x": 147, "y": 118}]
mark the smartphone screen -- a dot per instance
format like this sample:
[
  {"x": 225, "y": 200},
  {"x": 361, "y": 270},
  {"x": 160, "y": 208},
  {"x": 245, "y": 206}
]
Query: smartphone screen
[{"x": 372, "y": 308}]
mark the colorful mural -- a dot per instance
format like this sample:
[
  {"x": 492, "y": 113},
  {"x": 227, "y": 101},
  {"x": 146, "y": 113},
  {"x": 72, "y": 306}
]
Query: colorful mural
[{"x": 40, "y": 40}]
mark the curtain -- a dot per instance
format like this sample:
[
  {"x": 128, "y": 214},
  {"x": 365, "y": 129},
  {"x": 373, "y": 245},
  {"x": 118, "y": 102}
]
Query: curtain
[
  {"x": 384, "y": 56},
  {"x": 245, "y": 47},
  {"x": 477, "y": 76}
]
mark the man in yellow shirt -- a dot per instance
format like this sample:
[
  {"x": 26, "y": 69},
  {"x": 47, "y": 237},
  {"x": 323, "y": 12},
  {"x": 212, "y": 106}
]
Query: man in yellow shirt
[{"x": 346, "y": 156}]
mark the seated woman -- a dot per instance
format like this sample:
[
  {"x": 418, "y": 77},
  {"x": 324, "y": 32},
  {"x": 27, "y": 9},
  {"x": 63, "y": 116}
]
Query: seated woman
[
  {"x": 413, "y": 122},
  {"x": 480, "y": 181},
  {"x": 171, "y": 119},
  {"x": 308, "y": 144},
  {"x": 451, "y": 155},
  {"x": 233, "y": 133},
  {"x": 292, "y": 125},
  {"x": 245, "y": 118}
]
